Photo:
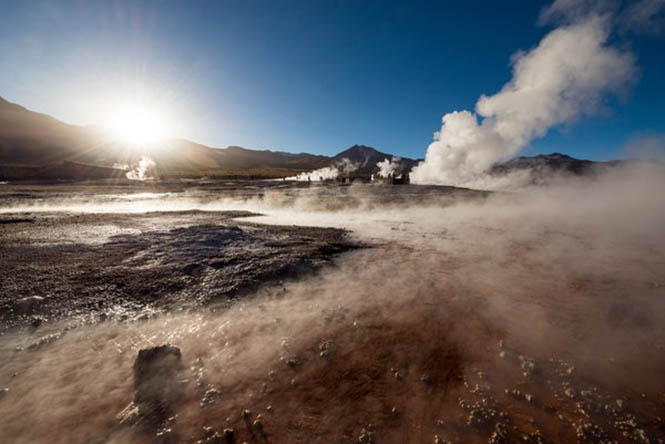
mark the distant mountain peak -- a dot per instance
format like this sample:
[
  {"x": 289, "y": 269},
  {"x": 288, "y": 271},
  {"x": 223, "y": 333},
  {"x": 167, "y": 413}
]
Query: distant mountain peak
[
  {"x": 543, "y": 167},
  {"x": 362, "y": 147},
  {"x": 366, "y": 157},
  {"x": 359, "y": 150},
  {"x": 556, "y": 156},
  {"x": 31, "y": 139}
]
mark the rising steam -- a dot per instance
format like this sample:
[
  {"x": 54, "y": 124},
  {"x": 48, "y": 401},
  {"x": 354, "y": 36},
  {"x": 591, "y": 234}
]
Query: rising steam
[
  {"x": 342, "y": 166},
  {"x": 562, "y": 79},
  {"x": 388, "y": 167},
  {"x": 571, "y": 271},
  {"x": 142, "y": 170}
]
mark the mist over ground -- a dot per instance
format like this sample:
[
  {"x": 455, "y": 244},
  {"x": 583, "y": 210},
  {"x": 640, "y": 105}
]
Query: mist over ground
[
  {"x": 534, "y": 316},
  {"x": 151, "y": 293}
]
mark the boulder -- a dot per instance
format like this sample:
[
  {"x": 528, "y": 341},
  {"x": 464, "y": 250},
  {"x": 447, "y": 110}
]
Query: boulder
[
  {"x": 27, "y": 305},
  {"x": 158, "y": 383}
]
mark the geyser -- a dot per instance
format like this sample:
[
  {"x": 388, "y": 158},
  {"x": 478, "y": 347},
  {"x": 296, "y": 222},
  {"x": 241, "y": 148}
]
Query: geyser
[{"x": 562, "y": 79}]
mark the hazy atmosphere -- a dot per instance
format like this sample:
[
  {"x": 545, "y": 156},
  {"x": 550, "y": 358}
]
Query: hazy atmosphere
[{"x": 335, "y": 221}]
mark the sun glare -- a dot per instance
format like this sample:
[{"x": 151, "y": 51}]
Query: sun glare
[{"x": 136, "y": 124}]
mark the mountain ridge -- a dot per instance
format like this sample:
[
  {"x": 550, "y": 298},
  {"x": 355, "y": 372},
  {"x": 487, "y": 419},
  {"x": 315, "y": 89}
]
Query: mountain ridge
[
  {"x": 33, "y": 139},
  {"x": 38, "y": 146}
]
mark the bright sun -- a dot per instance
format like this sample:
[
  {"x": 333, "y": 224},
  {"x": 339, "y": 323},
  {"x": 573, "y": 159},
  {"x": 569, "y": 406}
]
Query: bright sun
[{"x": 136, "y": 124}]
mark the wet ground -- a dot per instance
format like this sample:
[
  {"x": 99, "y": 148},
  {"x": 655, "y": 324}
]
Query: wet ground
[
  {"x": 59, "y": 266},
  {"x": 468, "y": 320}
]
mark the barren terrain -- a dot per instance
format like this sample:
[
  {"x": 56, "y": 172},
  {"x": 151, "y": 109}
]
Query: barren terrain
[{"x": 467, "y": 317}]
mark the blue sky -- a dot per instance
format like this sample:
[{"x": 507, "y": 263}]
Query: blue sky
[{"x": 315, "y": 76}]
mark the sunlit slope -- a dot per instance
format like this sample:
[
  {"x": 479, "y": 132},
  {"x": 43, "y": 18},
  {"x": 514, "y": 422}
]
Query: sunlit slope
[{"x": 30, "y": 139}]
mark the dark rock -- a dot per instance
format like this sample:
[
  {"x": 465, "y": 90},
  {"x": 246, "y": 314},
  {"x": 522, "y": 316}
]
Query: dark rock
[
  {"x": 16, "y": 220},
  {"x": 229, "y": 436},
  {"x": 27, "y": 305},
  {"x": 158, "y": 381},
  {"x": 193, "y": 269},
  {"x": 36, "y": 321}
]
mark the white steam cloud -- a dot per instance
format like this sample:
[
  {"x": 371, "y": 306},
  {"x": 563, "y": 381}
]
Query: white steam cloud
[
  {"x": 142, "y": 170},
  {"x": 343, "y": 166},
  {"x": 563, "y": 78},
  {"x": 388, "y": 167}
]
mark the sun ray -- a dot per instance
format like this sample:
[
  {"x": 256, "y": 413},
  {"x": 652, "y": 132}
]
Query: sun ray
[{"x": 136, "y": 123}]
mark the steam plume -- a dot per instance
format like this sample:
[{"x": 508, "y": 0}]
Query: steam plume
[
  {"x": 388, "y": 167},
  {"x": 142, "y": 170},
  {"x": 343, "y": 166},
  {"x": 563, "y": 78}
]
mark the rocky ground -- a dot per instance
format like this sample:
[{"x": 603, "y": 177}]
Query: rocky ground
[
  {"x": 481, "y": 325},
  {"x": 57, "y": 266}
]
